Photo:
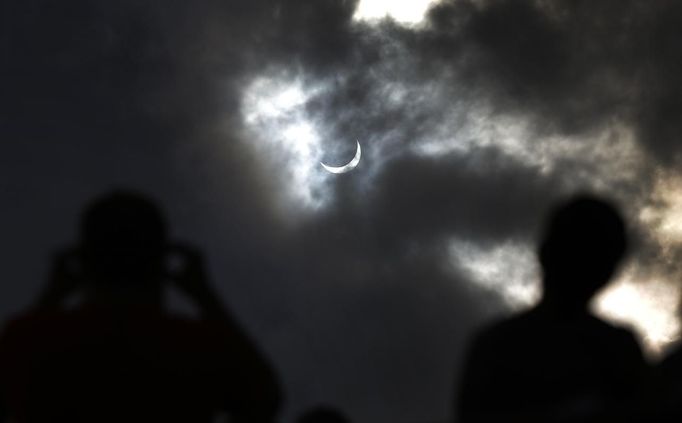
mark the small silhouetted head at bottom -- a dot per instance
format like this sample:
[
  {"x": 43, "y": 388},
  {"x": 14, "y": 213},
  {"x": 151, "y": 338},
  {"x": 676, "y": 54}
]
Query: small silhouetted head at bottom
[
  {"x": 584, "y": 241},
  {"x": 323, "y": 414}
]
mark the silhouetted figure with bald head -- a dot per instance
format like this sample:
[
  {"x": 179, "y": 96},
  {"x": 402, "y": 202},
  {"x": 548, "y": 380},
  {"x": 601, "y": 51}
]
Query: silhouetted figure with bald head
[
  {"x": 119, "y": 355},
  {"x": 556, "y": 362}
]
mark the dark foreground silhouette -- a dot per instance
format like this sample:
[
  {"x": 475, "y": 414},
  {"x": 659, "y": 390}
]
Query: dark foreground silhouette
[
  {"x": 556, "y": 362},
  {"x": 119, "y": 356}
]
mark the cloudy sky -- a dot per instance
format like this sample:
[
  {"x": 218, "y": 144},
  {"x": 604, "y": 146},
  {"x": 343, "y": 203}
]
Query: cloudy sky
[{"x": 474, "y": 117}]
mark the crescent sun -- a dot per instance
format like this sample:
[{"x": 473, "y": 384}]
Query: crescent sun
[{"x": 348, "y": 167}]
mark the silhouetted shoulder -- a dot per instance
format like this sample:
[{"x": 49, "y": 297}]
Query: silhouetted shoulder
[
  {"x": 178, "y": 365},
  {"x": 531, "y": 364},
  {"x": 584, "y": 325},
  {"x": 533, "y": 332}
]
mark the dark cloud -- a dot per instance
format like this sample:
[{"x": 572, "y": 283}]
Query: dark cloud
[{"x": 571, "y": 65}]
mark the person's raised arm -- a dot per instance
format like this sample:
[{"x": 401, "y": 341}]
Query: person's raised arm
[
  {"x": 64, "y": 279},
  {"x": 255, "y": 394}
]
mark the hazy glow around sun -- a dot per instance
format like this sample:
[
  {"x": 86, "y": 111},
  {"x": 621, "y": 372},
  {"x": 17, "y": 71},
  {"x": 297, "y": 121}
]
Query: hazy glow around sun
[{"x": 403, "y": 11}]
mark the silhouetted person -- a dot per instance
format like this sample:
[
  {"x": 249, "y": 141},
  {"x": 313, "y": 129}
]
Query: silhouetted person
[
  {"x": 323, "y": 414},
  {"x": 119, "y": 355},
  {"x": 557, "y": 362}
]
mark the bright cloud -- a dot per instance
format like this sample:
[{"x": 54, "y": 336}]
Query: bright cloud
[
  {"x": 273, "y": 110},
  {"x": 406, "y": 11},
  {"x": 664, "y": 216},
  {"x": 649, "y": 308},
  {"x": 509, "y": 270}
]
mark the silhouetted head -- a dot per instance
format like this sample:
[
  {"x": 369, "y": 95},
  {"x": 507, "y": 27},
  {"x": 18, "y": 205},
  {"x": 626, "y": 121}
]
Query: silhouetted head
[
  {"x": 584, "y": 241},
  {"x": 323, "y": 415},
  {"x": 123, "y": 236}
]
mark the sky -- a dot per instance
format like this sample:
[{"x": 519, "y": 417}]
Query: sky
[{"x": 474, "y": 117}]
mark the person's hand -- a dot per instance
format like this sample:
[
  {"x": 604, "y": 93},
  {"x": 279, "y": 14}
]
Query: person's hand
[
  {"x": 188, "y": 273},
  {"x": 65, "y": 278}
]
